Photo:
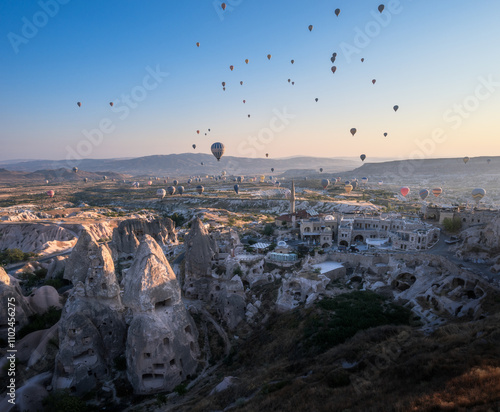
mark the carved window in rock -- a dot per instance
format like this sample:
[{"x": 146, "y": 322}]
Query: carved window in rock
[
  {"x": 166, "y": 341},
  {"x": 163, "y": 304},
  {"x": 147, "y": 355}
]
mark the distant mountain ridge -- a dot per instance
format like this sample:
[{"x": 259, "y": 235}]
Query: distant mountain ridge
[{"x": 187, "y": 164}]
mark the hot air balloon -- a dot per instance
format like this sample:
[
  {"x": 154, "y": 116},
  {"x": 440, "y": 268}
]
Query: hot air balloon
[
  {"x": 231, "y": 67},
  {"x": 240, "y": 179},
  {"x": 85, "y": 180},
  {"x": 380, "y": 182},
  {"x": 272, "y": 169},
  {"x": 293, "y": 83},
  {"x": 478, "y": 194},
  {"x": 200, "y": 189},
  {"x": 404, "y": 191},
  {"x": 262, "y": 178},
  {"x": 194, "y": 146},
  {"x": 332, "y": 59},
  {"x": 246, "y": 61},
  {"x": 241, "y": 83},
  {"x": 353, "y": 131},
  {"x": 362, "y": 59},
  {"x": 466, "y": 159},
  {"x": 171, "y": 190},
  {"x": 166, "y": 180},
  {"x": 236, "y": 188},
  {"x": 244, "y": 101},
  {"x": 325, "y": 183},
  {"x": 396, "y": 108},
  {"x": 198, "y": 44},
  {"x": 51, "y": 193},
  {"x": 334, "y": 69},
  {"x": 385, "y": 134},
  {"x": 150, "y": 183},
  {"x": 424, "y": 193},
  {"x": 161, "y": 193},
  {"x": 104, "y": 177},
  {"x": 267, "y": 154},
  {"x": 217, "y": 150},
  {"x": 223, "y": 84},
  {"x": 337, "y": 12},
  {"x": 321, "y": 170},
  {"x": 202, "y": 163},
  {"x": 292, "y": 61},
  {"x": 223, "y": 5},
  {"x": 180, "y": 190},
  {"x": 437, "y": 191},
  {"x": 381, "y": 8},
  {"x": 269, "y": 57},
  {"x": 362, "y": 157},
  {"x": 316, "y": 99},
  {"x": 175, "y": 182},
  {"x": 189, "y": 181},
  {"x": 354, "y": 184},
  {"x": 348, "y": 188},
  {"x": 374, "y": 81},
  {"x": 310, "y": 27},
  {"x": 364, "y": 180},
  {"x": 75, "y": 169},
  {"x": 249, "y": 116},
  {"x": 289, "y": 80},
  {"x": 79, "y": 104},
  {"x": 46, "y": 182}
]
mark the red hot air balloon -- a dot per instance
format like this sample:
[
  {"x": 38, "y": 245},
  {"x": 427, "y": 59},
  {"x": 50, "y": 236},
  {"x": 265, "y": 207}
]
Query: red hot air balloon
[
  {"x": 437, "y": 191},
  {"x": 231, "y": 67},
  {"x": 334, "y": 69},
  {"x": 51, "y": 193},
  {"x": 404, "y": 191},
  {"x": 374, "y": 81},
  {"x": 198, "y": 44},
  {"x": 79, "y": 104},
  {"x": 223, "y": 5},
  {"x": 111, "y": 104}
]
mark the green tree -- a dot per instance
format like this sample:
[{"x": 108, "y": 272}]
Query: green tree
[
  {"x": 268, "y": 229},
  {"x": 452, "y": 225}
]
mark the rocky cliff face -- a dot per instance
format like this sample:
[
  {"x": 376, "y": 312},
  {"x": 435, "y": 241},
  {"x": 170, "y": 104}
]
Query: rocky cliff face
[
  {"x": 9, "y": 288},
  {"x": 200, "y": 250},
  {"x": 162, "y": 348},
  {"x": 89, "y": 262},
  {"x": 36, "y": 237},
  {"x": 126, "y": 237},
  {"x": 92, "y": 329}
]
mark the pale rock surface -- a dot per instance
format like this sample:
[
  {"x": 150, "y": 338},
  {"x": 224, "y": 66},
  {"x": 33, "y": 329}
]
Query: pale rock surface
[
  {"x": 10, "y": 291},
  {"x": 162, "y": 340},
  {"x": 301, "y": 289},
  {"x": 43, "y": 298},
  {"x": 127, "y": 236}
]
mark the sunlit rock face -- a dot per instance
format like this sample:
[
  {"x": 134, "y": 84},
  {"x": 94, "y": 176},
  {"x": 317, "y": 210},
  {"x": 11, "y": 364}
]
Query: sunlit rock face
[
  {"x": 161, "y": 348},
  {"x": 89, "y": 262},
  {"x": 127, "y": 236}
]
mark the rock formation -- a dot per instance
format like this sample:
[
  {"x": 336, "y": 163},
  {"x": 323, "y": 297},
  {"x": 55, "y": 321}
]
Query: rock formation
[
  {"x": 162, "y": 340},
  {"x": 36, "y": 237},
  {"x": 43, "y": 298},
  {"x": 92, "y": 329},
  {"x": 126, "y": 237},
  {"x": 200, "y": 250},
  {"x": 10, "y": 289},
  {"x": 89, "y": 258}
]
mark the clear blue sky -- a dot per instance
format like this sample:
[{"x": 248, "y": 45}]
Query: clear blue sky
[{"x": 428, "y": 58}]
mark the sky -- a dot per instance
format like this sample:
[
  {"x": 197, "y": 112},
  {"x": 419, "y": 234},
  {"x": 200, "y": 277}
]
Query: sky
[{"x": 438, "y": 61}]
